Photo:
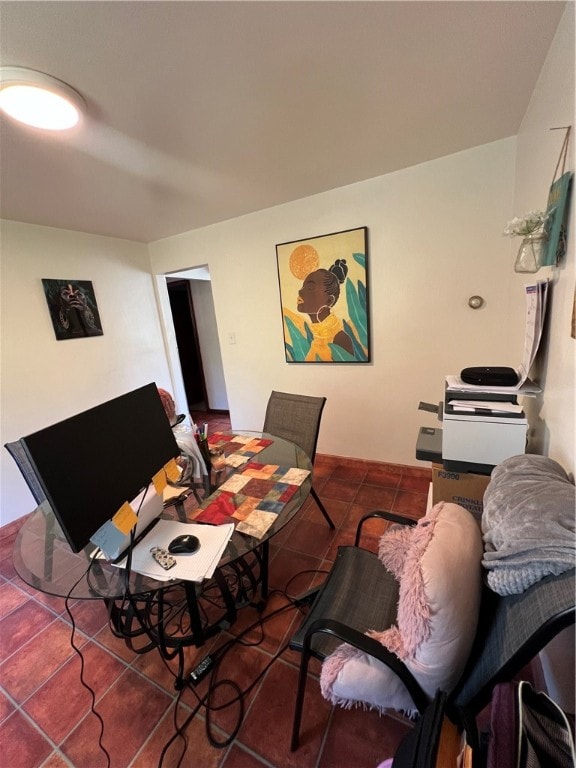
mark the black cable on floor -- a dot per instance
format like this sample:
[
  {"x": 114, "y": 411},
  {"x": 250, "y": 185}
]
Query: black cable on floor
[
  {"x": 217, "y": 656},
  {"x": 79, "y": 652},
  {"x": 296, "y": 599},
  {"x": 125, "y": 597},
  {"x": 204, "y": 701}
]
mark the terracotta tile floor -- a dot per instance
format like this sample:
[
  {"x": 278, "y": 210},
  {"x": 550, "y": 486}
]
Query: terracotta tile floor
[{"x": 45, "y": 717}]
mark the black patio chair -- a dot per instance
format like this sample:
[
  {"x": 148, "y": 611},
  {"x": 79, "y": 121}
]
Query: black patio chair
[
  {"x": 360, "y": 594},
  {"x": 297, "y": 418}
]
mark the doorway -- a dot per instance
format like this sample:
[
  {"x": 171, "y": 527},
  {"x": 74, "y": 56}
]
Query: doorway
[{"x": 186, "y": 332}]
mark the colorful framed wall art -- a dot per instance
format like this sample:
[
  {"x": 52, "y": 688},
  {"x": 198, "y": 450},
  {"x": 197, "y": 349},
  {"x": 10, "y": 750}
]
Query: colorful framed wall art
[{"x": 323, "y": 284}]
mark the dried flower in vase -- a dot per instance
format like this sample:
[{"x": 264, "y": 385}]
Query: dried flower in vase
[{"x": 532, "y": 222}]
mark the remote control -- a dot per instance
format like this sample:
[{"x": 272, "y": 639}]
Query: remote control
[{"x": 163, "y": 558}]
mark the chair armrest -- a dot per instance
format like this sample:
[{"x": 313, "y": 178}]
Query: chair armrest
[
  {"x": 373, "y": 648},
  {"x": 378, "y": 513}
]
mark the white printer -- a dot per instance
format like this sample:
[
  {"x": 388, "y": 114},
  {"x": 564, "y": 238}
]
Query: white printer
[{"x": 481, "y": 428}]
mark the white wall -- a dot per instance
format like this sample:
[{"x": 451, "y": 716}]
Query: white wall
[
  {"x": 209, "y": 342},
  {"x": 434, "y": 240},
  {"x": 44, "y": 380},
  {"x": 552, "y": 105}
]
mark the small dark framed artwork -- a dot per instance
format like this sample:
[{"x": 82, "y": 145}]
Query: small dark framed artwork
[
  {"x": 73, "y": 308},
  {"x": 324, "y": 298}
]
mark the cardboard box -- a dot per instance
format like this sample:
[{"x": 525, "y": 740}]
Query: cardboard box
[{"x": 463, "y": 488}]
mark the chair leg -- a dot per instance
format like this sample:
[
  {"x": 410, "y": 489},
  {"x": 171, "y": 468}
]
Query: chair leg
[
  {"x": 197, "y": 496},
  {"x": 299, "y": 700},
  {"x": 322, "y": 508},
  {"x": 264, "y": 570}
]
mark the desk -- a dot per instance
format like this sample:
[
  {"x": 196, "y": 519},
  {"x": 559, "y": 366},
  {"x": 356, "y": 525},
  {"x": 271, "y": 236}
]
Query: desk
[{"x": 44, "y": 560}]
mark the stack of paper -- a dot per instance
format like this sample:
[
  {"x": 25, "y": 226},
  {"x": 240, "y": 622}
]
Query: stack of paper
[
  {"x": 481, "y": 406},
  {"x": 455, "y": 384},
  {"x": 536, "y": 298},
  {"x": 189, "y": 567}
]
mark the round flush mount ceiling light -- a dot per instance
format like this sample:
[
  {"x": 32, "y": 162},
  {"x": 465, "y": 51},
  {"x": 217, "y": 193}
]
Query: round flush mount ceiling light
[{"x": 39, "y": 100}]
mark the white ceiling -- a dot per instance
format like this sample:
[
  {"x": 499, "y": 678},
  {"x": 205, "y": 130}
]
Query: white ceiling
[{"x": 202, "y": 111}]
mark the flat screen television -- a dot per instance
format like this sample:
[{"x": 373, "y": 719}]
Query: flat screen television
[{"x": 91, "y": 463}]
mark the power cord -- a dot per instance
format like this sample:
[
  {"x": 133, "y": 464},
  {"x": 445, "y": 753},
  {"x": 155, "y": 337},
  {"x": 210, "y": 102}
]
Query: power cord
[
  {"x": 211, "y": 664},
  {"x": 205, "y": 701},
  {"x": 82, "y": 665},
  {"x": 303, "y": 599},
  {"x": 163, "y": 615},
  {"x": 152, "y": 621},
  {"x": 86, "y": 575}
]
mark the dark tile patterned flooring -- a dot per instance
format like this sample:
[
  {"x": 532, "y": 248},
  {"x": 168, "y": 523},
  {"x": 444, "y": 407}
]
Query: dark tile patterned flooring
[{"x": 45, "y": 717}]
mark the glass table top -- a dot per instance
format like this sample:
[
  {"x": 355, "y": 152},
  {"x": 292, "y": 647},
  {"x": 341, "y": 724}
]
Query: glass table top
[{"x": 45, "y": 561}]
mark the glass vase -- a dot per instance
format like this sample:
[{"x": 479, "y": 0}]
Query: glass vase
[{"x": 531, "y": 253}]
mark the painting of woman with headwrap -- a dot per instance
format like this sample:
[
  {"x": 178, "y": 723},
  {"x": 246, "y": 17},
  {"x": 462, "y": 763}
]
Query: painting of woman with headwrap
[{"x": 323, "y": 291}]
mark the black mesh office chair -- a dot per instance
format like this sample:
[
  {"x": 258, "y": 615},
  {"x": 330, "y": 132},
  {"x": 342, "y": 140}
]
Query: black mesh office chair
[
  {"x": 297, "y": 418},
  {"x": 511, "y": 631}
]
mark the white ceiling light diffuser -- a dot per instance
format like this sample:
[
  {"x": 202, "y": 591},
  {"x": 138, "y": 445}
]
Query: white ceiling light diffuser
[{"x": 39, "y": 100}]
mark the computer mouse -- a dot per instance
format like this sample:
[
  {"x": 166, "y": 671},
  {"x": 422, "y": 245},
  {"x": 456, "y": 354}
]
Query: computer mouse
[{"x": 184, "y": 545}]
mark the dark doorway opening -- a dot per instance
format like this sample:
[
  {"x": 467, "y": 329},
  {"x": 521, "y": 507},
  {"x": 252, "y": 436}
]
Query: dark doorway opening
[{"x": 186, "y": 332}]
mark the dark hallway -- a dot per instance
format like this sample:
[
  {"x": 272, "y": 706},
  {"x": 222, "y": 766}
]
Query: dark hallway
[{"x": 188, "y": 345}]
